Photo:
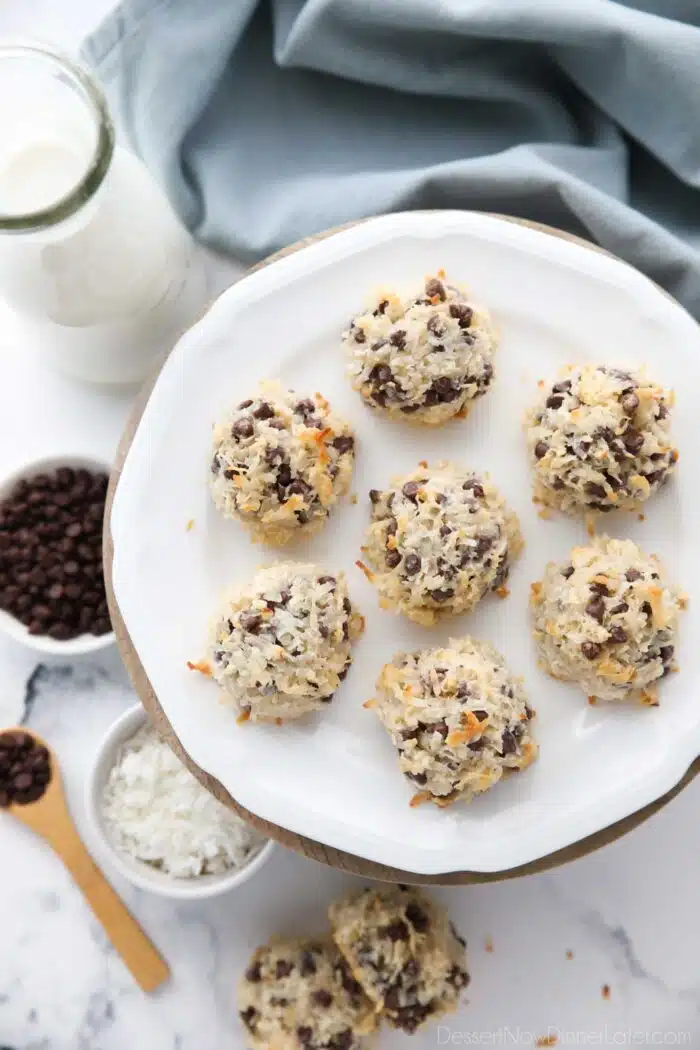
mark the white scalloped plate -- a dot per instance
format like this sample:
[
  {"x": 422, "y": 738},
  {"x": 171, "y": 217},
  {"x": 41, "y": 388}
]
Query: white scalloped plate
[{"x": 334, "y": 777}]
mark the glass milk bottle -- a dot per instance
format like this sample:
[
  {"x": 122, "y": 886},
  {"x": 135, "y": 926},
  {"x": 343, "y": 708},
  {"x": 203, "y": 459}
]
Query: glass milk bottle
[{"x": 93, "y": 260}]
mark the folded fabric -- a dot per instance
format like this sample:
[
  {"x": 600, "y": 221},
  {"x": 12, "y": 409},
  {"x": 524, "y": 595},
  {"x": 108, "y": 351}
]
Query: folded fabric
[{"x": 269, "y": 121}]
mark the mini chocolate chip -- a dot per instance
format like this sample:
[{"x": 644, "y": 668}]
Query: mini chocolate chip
[
  {"x": 253, "y": 973},
  {"x": 306, "y": 407},
  {"x": 434, "y": 287},
  {"x": 412, "y": 564},
  {"x": 264, "y": 411},
  {"x": 666, "y": 653},
  {"x": 622, "y": 607},
  {"x": 283, "y": 968},
  {"x": 541, "y": 449},
  {"x": 617, "y": 634},
  {"x": 593, "y": 489},
  {"x": 307, "y": 965},
  {"x": 417, "y": 917},
  {"x": 418, "y": 778},
  {"x": 375, "y": 495},
  {"x": 554, "y": 401},
  {"x": 381, "y": 375},
  {"x": 434, "y": 324},
  {"x": 509, "y": 743},
  {"x": 629, "y": 402},
  {"x": 322, "y": 998},
  {"x": 251, "y": 621},
  {"x": 462, "y": 313},
  {"x": 599, "y": 588},
  {"x": 596, "y": 608},
  {"x": 442, "y": 594},
  {"x": 633, "y": 440},
  {"x": 359, "y": 335},
  {"x": 436, "y": 727},
  {"x": 398, "y": 339},
  {"x": 473, "y": 486},
  {"x": 342, "y": 1041},
  {"x": 410, "y": 490},
  {"x": 591, "y": 650},
  {"x": 381, "y": 307},
  {"x": 343, "y": 444},
  {"x": 305, "y": 1035},
  {"x": 396, "y": 931},
  {"x": 242, "y": 428},
  {"x": 562, "y": 387},
  {"x": 392, "y": 559},
  {"x": 633, "y": 574},
  {"x": 248, "y": 1017},
  {"x": 567, "y": 571},
  {"x": 328, "y": 579}
]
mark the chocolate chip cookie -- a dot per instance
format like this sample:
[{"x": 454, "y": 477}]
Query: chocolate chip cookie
[
  {"x": 440, "y": 539},
  {"x": 280, "y": 646},
  {"x": 424, "y": 359},
  {"x": 599, "y": 440},
  {"x": 458, "y": 718},
  {"x": 607, "y": 620},
  {"x": 300, "y": 995},
  {"x": 403, "y": 951},
  {"x": 280, "y": 461}
]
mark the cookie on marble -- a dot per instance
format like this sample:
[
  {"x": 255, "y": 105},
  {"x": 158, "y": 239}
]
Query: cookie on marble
[
  {"x": 607, "y": 620},
  {"x": 424, "y": 359},
  {"x": 599, "y": 440},
  {"x": 298, "y": 994},
  {"x": 281, "y": 644},
  {"x": 441, "y": 538},
  {"x": 280, "y": 462},
  {"x": 403, "y": 951},
  {"x": 457, "y": 717}
]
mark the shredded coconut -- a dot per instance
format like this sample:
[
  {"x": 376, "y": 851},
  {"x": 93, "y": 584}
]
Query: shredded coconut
[{"x": 157, "y": 812}]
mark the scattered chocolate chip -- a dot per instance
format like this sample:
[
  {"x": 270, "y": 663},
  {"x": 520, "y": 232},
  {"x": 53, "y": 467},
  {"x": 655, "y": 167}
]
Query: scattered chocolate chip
[
  {"x": 305, "y": 407},
  {"x": 633, "y": 440},
  {"x": 646, "y": 609},
  {"x": 398, "y": 339},
  {"x": 245, "y": 404},
  {"x": 633, "y": 574},
  {"x": 305, "y": 1035},
  {"x": 342, "y": 1041},
  {"x": 417, "y": 917},
  {"x": 322, "y": 998},
  {"x": 375, "y": 495},
  {"x": 242, "y": 428},
  {"x": 410, "y": 490},
  {"x": 591, "y": 650},
  {"x": 441, "y": 391},
  {"x": 442, "y": 594},
  {"x": 666, "y": 653},
  {"x": 622, "y": 607},
  {"x": 418, "y": 778},
  {"x": 434, "y": 287},
  {"x": 509, "y": 743},
  {"x": 251, "y": 621},
  {"x": 283, "y": 968},
  {"x": 457, "y": 977},
  {"x": 392, "y": 559},
  {"x": 541, "y": 449},
  {"x": 253, "y": 973},
  {"x": 343, "y": 444},
  {"x": 396, "y": 931},
  {"x": 249, "y": 1018},
  {"x": 617, "y": 634},
  {"x": 412, "y": 564},
  {"x": 462, "y": 313},
  {"x": 264, "y": 411},
  {"x": 593, "y": 489},
  {"x": 381, "y": 308},
  {"x": 567, "y": 571},
  {"x": 598, "y": 587},
  {"x": 435, "y": 325},
  {"x": 307, "y": 965},
  {"x": 359, "y": 336},
  {"x": 596, "y": 608},
  {"x": 562, "y": 387},
  {"x": 473, "y": 486},
  {"x": 554, "y": 401},
  {"x": 629, "y": 402}
]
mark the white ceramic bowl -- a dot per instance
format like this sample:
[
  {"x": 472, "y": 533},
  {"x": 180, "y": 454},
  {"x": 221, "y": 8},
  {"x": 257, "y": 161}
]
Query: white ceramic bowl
[
  {"x": 84, "y": 644},
  {"x": 137, "y": 872}
]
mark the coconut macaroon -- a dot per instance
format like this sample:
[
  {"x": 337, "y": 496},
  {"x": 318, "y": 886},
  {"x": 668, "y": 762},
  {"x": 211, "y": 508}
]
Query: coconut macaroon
[
  {"x": 298, "y": 994},
  {"x": 599, "y": 440},
  {"x": 404, "y": 952},
  {"x": 280, "y": 461},
  {"x": 607, "y": 620},
  {"x": 458, "y": 718},
  {"x": 424, "y": 359},
  {"x": 440, "y": 539},
  {"x": 280, "y": 646}
]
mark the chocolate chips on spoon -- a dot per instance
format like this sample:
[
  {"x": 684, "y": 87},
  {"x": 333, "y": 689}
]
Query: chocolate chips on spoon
[
  {"x": 25, "y": 769},
  {"x": 51, "y": 554}
]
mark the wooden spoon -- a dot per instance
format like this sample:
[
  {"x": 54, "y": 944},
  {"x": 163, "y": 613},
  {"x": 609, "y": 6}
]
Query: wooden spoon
[{"x": 49, "y": 818}]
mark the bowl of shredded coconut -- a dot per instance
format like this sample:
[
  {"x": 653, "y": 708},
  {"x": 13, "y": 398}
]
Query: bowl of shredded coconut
[{"x": 162, "y": 829}]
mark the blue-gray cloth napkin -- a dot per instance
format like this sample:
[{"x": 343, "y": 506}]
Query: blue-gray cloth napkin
[{"x": 268, "y": 121}]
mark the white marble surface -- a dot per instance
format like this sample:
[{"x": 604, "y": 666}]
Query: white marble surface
[{"x": 629, "y": 914}]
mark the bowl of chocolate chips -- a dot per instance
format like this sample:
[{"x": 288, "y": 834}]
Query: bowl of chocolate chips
[{"x": 52, "y": 593}]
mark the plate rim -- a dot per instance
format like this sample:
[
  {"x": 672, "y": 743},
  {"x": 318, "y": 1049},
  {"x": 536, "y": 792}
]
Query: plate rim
[{"x": 686, "y": 768}]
